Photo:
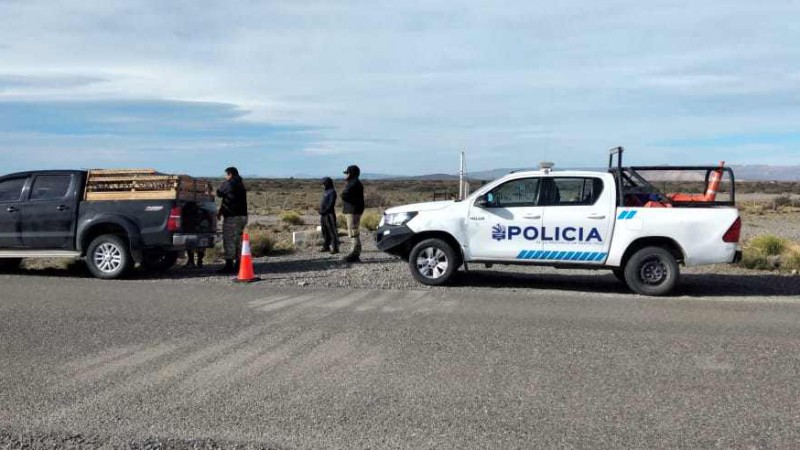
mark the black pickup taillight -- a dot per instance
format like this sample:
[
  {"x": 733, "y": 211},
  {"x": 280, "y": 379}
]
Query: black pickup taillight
[
  {"x": 734, "y": 232},
  {"x": 174, "y": 221}
]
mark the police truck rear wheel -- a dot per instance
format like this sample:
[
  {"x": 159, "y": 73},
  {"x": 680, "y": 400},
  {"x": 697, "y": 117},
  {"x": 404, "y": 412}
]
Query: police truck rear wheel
[
  {"x": 433, "y": 262},
  {"x": 652, "y": 271}
]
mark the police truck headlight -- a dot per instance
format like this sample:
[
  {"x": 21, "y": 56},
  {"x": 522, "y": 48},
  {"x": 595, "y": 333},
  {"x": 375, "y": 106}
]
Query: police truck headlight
[{"x": 397, "y": 219}]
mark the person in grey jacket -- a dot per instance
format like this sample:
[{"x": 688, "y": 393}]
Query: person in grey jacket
[{"x": 327, "y": 214}]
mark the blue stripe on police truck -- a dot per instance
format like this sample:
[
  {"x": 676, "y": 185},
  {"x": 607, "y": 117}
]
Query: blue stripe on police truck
[
  {"x": 542, "y": 255},
  {"x": 626, "y": 215}
]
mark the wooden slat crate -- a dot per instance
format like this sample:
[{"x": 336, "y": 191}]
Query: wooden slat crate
[{"x": 144, "y": 184}]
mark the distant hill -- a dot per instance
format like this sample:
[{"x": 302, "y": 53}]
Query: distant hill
[
  {"x": 742, "y": 172},
  {"x": 767, "y": 173}
]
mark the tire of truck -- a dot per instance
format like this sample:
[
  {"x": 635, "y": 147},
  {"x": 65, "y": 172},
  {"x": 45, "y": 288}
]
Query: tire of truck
[
  {"x": 108, "y": 257},
  {"x": 159, "y": 261},
  {"x": 10, "y": 264},
  {"x": 652, "y": 271},
  {"x": 433, "y": 262}
]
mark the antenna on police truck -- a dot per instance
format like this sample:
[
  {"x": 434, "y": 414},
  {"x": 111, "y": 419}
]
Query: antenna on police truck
[{"x": 463, "y": 190}]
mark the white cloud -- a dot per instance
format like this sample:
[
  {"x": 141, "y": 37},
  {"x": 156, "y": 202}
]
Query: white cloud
[{"x": 403, "y": 85}]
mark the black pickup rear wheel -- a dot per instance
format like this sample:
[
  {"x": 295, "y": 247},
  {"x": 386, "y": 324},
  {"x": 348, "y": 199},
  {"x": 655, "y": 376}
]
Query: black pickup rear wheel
[
  {"x": 108, "y": 257},
  {"x": 652, "y": 271}
]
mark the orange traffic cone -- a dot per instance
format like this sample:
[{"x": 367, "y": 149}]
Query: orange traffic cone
[{"x": 246, "y": 273}]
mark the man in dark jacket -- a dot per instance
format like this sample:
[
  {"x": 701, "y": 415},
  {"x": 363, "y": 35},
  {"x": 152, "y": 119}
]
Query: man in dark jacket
[
  {"x": 327, "y": 213},
  {"x": 353, "y": 200},
  {"x": 233, "y": 211}
]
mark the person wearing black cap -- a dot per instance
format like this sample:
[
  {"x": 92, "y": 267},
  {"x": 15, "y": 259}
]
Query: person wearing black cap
[
  {"x": 233, "y": 211},
  {"x": 327, "y": 214},
  {"x": 353, "y": 205}
]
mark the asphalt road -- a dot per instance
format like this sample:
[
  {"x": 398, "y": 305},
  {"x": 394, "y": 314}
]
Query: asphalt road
[{"x": 127, "y": 363}]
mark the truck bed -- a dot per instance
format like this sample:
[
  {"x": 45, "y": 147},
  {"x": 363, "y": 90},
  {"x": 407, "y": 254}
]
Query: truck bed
[{"x": 144, "y": 184}]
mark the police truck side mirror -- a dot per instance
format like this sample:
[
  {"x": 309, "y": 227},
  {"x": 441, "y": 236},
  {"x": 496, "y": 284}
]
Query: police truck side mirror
[{"x": 485, "y": 201}]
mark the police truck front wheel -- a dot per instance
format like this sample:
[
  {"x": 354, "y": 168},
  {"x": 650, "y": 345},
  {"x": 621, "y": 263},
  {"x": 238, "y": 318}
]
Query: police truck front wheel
[
  {"x": 433, "y": 262},
  {"x": 652, "y": 271}
]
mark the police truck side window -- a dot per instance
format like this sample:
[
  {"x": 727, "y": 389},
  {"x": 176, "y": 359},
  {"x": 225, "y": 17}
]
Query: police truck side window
[
  {"x": 517, "y": 193},
  {"x": 575, "y": 191}
]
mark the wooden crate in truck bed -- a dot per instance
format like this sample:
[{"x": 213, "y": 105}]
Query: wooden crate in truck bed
[{"x": 144, "y": 184}]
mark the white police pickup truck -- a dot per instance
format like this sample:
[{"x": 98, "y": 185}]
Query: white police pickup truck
[{"x": 615, "y": 220}]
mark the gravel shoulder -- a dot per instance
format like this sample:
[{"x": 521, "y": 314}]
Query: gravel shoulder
[{"x": 311, "y": 269}]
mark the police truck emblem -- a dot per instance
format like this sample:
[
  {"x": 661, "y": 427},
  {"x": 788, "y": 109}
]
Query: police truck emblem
[{"x": 498, "y": 232}]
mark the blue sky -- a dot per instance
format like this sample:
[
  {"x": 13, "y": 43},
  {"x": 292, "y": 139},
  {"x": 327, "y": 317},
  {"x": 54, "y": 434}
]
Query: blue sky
[{"x": 282, "y": 88}]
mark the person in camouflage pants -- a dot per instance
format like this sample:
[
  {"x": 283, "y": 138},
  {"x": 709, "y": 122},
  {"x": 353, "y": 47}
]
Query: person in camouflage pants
[
  {"x": 233, "y": 211},
  {"x": 353, "y": 207},
  {"x": 232, "y": 230}
]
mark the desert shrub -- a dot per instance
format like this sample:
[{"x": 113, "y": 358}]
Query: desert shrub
[
  {"x": 374, "y": 200},
  {"x": 755, "y": 261},
  {"x": 291, "y": 218},
  {"x": 370, "y": 221},
  {"x": 283, "y": 247},
  {"x": 313, "y": 239},
  {"x": 757, "y": 209},
  {"x": 261, "y": 242},
  {"x": 782, "y": 200},
  {"x": 792, "y": 260},
  {"x": 768, "y": 245},
  {"x": 768, "y": 252}
]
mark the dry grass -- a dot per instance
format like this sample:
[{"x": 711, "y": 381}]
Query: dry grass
[
  {"x": 370, "y": 220},
  {"x": 262, "y": 242},
  {"x": 291, "y": 218},
  {"x": 769, "y": 252},
  {"x": 275, "y": 196}
]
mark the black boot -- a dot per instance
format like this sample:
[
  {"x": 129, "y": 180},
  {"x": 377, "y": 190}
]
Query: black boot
[{"x": 228, "y": 269}]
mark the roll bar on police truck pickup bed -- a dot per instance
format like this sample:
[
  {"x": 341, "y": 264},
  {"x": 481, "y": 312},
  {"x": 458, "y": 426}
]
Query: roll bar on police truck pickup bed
[{"x": 632, "y": 185}]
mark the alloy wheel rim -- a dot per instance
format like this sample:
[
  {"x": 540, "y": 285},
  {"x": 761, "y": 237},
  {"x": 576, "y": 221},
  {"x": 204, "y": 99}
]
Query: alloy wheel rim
[
  {"x": 107, "y": 258},
  {"x": 653, "y": 271},
  {"x": 432, "y": 263}
]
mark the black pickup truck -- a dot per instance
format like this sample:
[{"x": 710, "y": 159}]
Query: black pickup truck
[{"x": 44, "y": 214}]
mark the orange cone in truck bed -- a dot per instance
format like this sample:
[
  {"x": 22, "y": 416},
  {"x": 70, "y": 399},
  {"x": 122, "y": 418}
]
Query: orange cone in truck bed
[{"x": 711, "y": 189}]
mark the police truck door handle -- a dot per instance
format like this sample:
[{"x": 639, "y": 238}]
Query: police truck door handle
[
  {"x": 532, "y": 216},
  {"x": 12, "y": 209},
  {"x": 597, "y": 216}
]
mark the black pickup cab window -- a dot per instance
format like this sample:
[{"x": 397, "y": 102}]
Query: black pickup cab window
[
  {"x": 11, "y": 190},
  {"x": 50, "y": 187}
]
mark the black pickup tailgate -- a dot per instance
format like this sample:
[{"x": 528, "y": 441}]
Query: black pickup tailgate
[{"x": 198, "y": 217}]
